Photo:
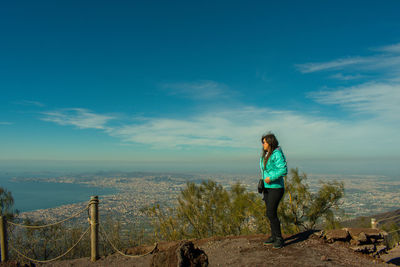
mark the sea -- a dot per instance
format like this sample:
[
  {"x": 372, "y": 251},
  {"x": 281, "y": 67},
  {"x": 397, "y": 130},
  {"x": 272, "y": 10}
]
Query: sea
[{"x": 34, "y": 195}]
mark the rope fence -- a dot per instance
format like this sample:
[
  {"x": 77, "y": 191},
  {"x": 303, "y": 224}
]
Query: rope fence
[
  {"x": 49, "y": 225},
  {"x": 56, "y": 258},
  {"x": 394, "y": 231},
  {"x": 120, "y": 252},
  {"x": 385, "y": 219},
  {"x": 375, "y": 222},
  {"x": 94, "y": 226},
  {"x": 374, "y": 225}
]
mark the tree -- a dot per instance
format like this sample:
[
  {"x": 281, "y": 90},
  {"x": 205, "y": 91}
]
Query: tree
[
  {"x": 6, "y": 204},
  {"x": 39, "y": 243},
  {"x": 394, "y": 233},
  {"x": 302, "y": 210}
]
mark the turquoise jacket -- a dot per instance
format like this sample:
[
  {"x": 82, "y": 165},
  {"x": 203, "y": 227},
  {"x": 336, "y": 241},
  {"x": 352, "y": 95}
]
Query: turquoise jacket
[{"x": 275, "y": 169}]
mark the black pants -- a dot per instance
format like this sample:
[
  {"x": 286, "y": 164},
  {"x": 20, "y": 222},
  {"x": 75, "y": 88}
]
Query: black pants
[{"x": 272, "y": 197}]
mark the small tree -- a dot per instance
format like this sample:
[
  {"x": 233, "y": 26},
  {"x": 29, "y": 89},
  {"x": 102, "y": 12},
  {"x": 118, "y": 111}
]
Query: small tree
[
  {"x": 204, "y": 208},
  {"x": 394, "y": 233},
  {"x": 207, "y": 210},
  {"x": 6, "y": 204},
  {"x": 302, "y": 210},
  {"x": 39, "y": 243},
  {"x": 246, "y": 212}
]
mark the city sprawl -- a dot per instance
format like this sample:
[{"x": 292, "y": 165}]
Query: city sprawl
[{"x": 364, "y": 195}]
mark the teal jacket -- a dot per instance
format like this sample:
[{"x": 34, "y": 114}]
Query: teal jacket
[{"x": 275, "y": 169}]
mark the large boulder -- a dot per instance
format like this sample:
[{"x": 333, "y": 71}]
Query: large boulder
[
  {"x": 183, "y": 254},
  {"x": 337, "y": 235},
  {"x": 360, "y": 233}
]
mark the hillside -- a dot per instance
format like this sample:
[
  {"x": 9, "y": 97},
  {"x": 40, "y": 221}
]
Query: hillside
[
  {"x": 385, "y": 218},
  {"x": 304, "y": 249}
]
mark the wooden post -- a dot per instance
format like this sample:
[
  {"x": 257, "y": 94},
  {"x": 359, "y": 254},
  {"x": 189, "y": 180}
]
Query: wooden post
[
  {"x": 373, "y": 223},
  {"x": 94, "y": 227},
  {"x": 3, "y": 239}
]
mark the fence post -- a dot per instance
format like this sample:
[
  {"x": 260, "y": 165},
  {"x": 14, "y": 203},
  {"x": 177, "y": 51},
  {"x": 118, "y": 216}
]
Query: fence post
[
  {"x": 3, "y": 239},
  {"x": 373, "y": 223},
  {"x": 94, "y": 227}
]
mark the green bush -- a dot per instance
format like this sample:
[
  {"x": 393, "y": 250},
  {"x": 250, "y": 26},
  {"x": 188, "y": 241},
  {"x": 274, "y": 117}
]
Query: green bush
[
  {"x": 208, "y": 209},
  {"x": 6, "y": 204},
  {"x": 302, "y": 210}
]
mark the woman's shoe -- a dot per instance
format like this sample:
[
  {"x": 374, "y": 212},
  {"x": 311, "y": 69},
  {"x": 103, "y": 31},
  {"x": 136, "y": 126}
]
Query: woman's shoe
[
  {"x": 278, "y": 243},
  {"x": 269, "y": 241}
]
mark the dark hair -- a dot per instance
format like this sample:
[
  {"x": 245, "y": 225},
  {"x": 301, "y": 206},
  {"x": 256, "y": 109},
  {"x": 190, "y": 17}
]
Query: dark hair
[{"x": 273, "y": 144}]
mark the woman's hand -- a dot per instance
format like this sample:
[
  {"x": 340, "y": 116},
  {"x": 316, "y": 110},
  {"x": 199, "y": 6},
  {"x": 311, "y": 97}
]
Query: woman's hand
[{"x": 267, "y": 180}]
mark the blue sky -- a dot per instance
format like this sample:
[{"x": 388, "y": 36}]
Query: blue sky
[{"x": 198, "y": 83}]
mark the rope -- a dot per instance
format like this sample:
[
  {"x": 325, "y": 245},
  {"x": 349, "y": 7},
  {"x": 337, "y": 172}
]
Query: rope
[
  {"x": 384, "y": 219},
  {"x": 120, "y": 252},
  {"x": 56, "y": 258},
  {"x": 48, "y": 225},
  {"x": 393, "y": 231}
]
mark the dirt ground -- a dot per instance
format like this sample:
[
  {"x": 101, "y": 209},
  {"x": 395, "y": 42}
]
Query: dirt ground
[{"x": 304, "y": 249}]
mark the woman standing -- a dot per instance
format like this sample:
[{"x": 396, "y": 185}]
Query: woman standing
[{"x": 273, "y": 168}]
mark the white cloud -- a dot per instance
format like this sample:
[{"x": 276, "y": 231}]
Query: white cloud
[
  {"x": 379, "y": 99},
  {"x": 30, "y": 103},
  {"x": 343, "y": 77},
  {"x": 203, "y": 90},
  {"x": 241, "y": 128},
  {"x": 387, "y": 62},
  {"x": 300, "y": 134},
  {"x": 79, "y": 117},
  {"x": 333, "y": 65},
  {"x": 395, "y": 48},
  {"x": 378, "y": 95}
]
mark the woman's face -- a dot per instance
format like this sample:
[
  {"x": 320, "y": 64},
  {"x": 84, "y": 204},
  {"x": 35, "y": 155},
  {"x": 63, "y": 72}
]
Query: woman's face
[{"x": 265, "y": 145}]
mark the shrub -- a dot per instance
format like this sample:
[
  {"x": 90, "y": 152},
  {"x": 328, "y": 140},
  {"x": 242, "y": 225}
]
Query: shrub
[{"x": 208, "y": 209}]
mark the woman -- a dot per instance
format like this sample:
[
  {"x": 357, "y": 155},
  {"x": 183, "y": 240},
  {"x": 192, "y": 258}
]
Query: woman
[{"x": 273, "y": 168}]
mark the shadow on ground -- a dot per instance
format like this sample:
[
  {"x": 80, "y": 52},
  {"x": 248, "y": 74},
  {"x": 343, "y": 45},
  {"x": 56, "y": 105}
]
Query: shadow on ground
[
  {"x": 300, "y": 237},
  {"x": 395, "y": 261}
]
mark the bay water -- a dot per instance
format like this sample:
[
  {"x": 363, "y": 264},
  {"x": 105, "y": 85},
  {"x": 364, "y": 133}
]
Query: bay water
[{"x": 34, "y": 195}]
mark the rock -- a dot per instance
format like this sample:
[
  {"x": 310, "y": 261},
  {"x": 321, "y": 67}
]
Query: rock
[
  {"x": 369, "y": 232},
  {"x": 182, "y": 254},
  {"x": 354, "y": 242},
  {"x": 324, "y": 258},
  {"x": 362, "y": 238},
  {"x": 188, "y": 255},
  {"x": 370, "y": 248},
  {"x": 381, "y": 249},
  {"x": 337, "y": 234},
  {"x": 378, "y": 241},
  {"x": 319, "y": 233}
]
